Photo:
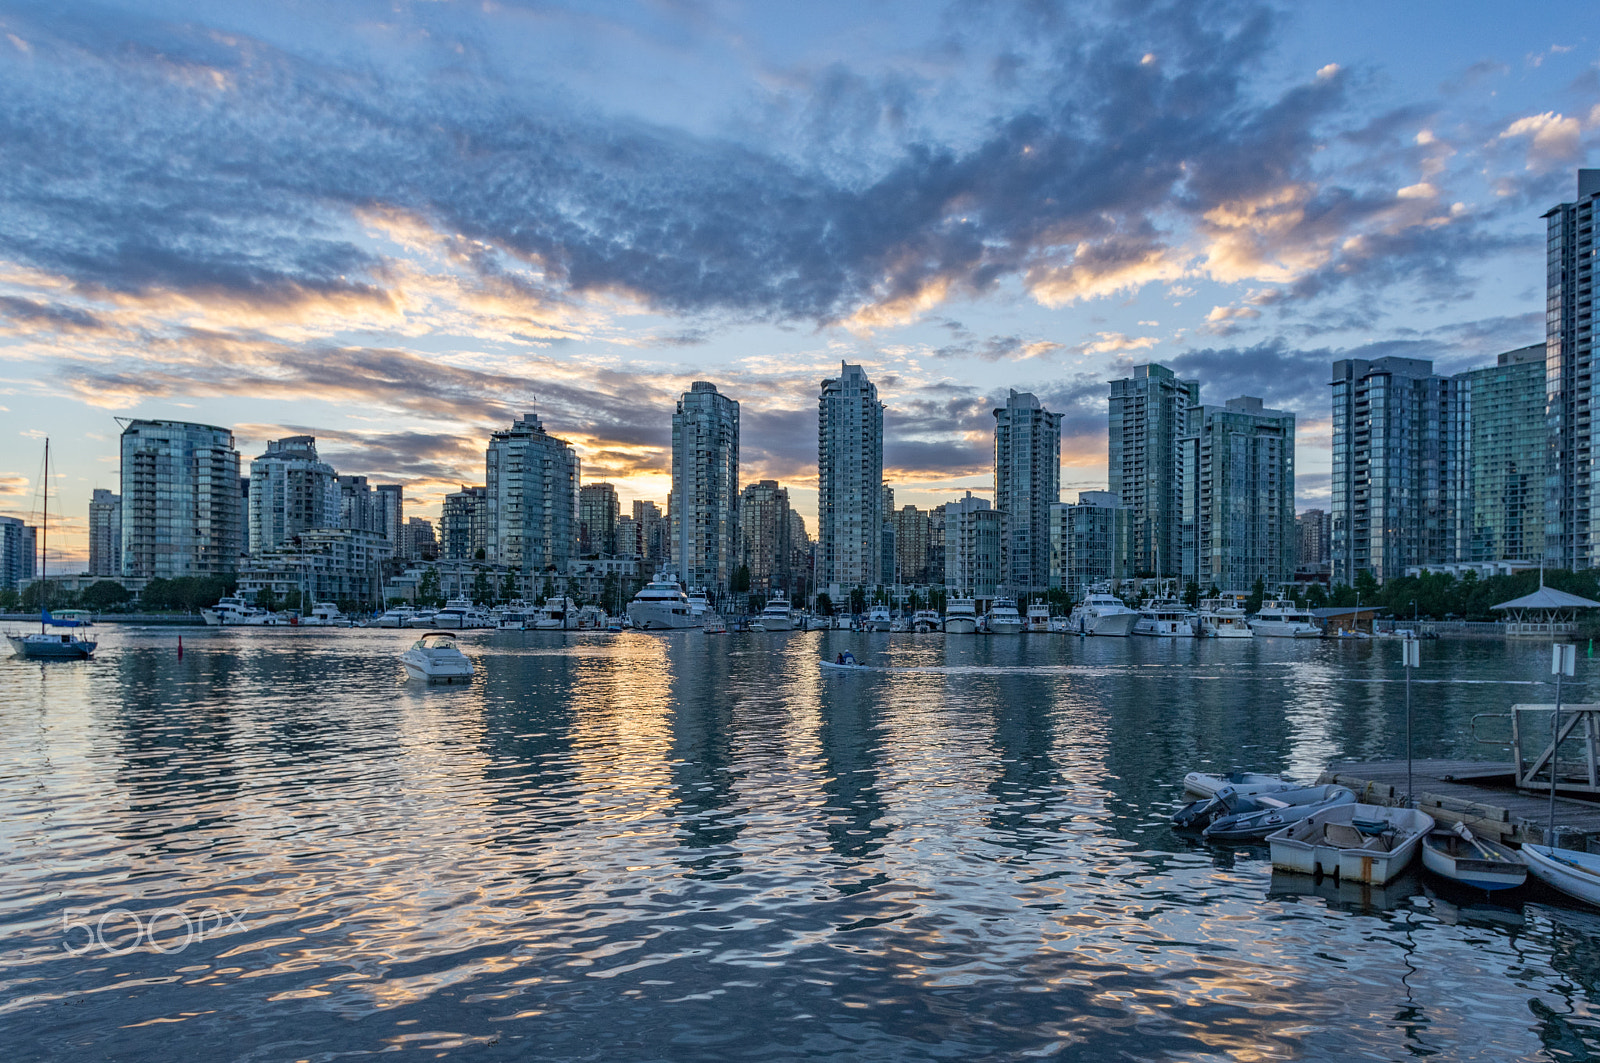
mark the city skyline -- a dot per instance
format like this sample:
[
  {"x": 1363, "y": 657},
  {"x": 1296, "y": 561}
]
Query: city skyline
[{"x": 962, "y": 216}]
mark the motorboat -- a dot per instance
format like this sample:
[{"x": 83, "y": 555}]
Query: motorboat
[
  {"x": 878, "y": 618},
  {"x": 236, "y": 612},
  {"x": 1575, "y": 873},
  {"x": 1203, "y": 784},
  {"x": 560, "y": 613},
  {"x": 1359, "y": 843},
  {"x": 1039, "y": 619},
  {"x": 699, "y": 605},
  {"x": 847, "y": 663},
  {"x": 924, "y": 621},
  {"x": 1461, "y": 856},
  {"x": 777, "y": 615},
  {"x": 1273, "y": 811},
  {"x": 519, "y": 616},
  {"x": 1164, "y": 618},
  {"x": 1278, "y": 618},
  {"x": 1222, "y": 618},
  {"x": 325, "y": 614},
  {"x": 1003, "y": 618},
  {"x": 1062, "y": 625},
  {"x": 396, "y": 616},
  {"x": 1103, "y": 613},
  {"x": 714, "y": 624},
  {"x": 454, "y": 612},
  {"x": 70, "y": 618},
  {"x": 661, "y": 605},
  {"x": 422, "y": 618},
  {"x": 436, "y": 658},
  {"x": 960, "y": 616}
]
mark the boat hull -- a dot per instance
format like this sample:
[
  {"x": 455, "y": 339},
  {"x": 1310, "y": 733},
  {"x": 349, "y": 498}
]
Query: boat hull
[
  {"x": 649, "y": 617},
  {"x": 1006, "y": 625},
  {"x": 831, "y": 667},
  {"x": 1277, "y": 629},
  {"x": 1574, "y": 873},
  {"x": 1248, "y": 783},
  {"x": 1112, "y": 625},
  {"x": 51, "y": 650},
  {"x": 960, "y": 625},
  {"x": 1292, "y": 807}
]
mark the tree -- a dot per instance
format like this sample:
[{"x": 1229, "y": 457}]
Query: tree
[
  {"x": 53, "y": 595},
  {"x": 1258, "y": 594},
  {"x": 1191, "y": 594},
  {"x": 547, "y": 592},
  {"x": 741, "y": 579},
  {"x": 508, "y": 587},
  {"x": 10, "y": 601},
  {"x": 914, "y": 601},
  {"x": 480, "y": 587},
  {"x": 266, "y": 598},
  {"x": 478, "y": 554},
  {"x": 824, "y": 605},
  {"x": 428, "y": 587},
  {"x": 103, "y": 594},
  {"x": 858, "y": 600},
  {"x": 608, "y": 591},
  {"x": 1316, "y": 597},
  {"x": 1366, "y": 587}
]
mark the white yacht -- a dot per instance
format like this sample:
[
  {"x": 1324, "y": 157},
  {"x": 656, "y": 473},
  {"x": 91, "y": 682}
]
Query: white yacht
[
  {"x": 1103, "y": 613},
  {"x": 560, "y": 613},
  {"x": 395, "y": 617},
  {"x": 592, "y": 618},
  {"x": 960, "y": 616},
  {"x": 816, "y": 622},
  {"x": 236, "y": 612},
  {"x": 460, "y": 613},
  {"x": 661, "y": 605},
  {"x": 699, "y": 605},
  {"x": 422, "y": 618},
  {"x": 1283, "y": 619},
  {"x": 1166, "y": 618},
  {"x": 878, "y": 618},
  {"x": 924, "y": 621},
  {"x": 325, "y": 614},
  {"x": 435, "y": 658},
  {"x": 776, "y": 616},
  {"x": 1003, "y": 618},
  {"x": 1222, "y": 618},
  {"x": 517, "y": 616},
  {"x": 1039, "y": 619}
]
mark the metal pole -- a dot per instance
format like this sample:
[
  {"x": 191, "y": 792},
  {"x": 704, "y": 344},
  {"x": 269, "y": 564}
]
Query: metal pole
[
  {"x": 1410, "y": 652},
  {"x": 1555, "y": 746}
]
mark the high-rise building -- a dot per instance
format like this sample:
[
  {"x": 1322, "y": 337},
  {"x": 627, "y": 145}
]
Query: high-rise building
[
  {"x": 912, "y": 535},
  {"x": 1089, "y": 543},
  {"x": 357, "y": 511},
  {"x": 1314, "y": 539},
  {"x": 181, "y": 511},
  {"x": 1503, "y": 450},
  {"x": 389, "y": 513},
  {"x": 291, "y": 491},
  {"x": 18, "y": 545},
  {"x": 971, "y": 547},
  {"x": 464, "y": 524},
  {"x": 105, "y": 533},
  {"x": 1392, "y": 456},
  {"x": 1027, "y": 482},
  {"x": 643, "y": 537},
  {"x": 849, "y": 481},
  {"x": 1238, "y": 496},
  {"x": 531, "y": 487},
  {"x": 800, "y": 550},
  {"x": 1572, "y": 505},
  {"x": 704, "y": 508},
  {"x": 936, "y": 546},
  {"x": 1148, "y": 414},
  {"x": 598, "y": 512},
  {"x": 417, "y": 540},
  {"x": 765, "y": 526}
]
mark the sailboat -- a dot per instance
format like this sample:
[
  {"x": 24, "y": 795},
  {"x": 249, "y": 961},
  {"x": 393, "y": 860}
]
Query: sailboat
[{"x": 46, "y": 646}]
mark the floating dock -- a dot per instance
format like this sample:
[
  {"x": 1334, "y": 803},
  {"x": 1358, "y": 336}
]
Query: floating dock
[{"x": 1481, "y": 794}]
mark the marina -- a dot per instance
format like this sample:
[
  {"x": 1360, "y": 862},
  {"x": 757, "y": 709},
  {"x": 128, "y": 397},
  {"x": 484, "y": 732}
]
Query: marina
[{"x": 602, "y": 842}]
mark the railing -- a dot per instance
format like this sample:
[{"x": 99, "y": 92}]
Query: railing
[
  {"x": 1460, "y": 628},
  {"x": 1578, "y": 761}
]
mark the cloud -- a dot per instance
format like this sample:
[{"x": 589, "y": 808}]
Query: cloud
[{"x": 1553, "y": 138}]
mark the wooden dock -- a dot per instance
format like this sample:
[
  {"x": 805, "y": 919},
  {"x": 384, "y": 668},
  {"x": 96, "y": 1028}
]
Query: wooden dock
[{"x": 1481, "y": 794}]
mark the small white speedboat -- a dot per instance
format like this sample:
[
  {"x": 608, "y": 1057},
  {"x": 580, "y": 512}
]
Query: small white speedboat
[
  {"x": 1274, "y": 811},
  {"x": 850, "y": 665},
  {"x": 1246, "y": 783},
  {"x": 1577, "y": 874},
  {"x": 1461, "y": 856},
  {"x": 436, "y": 658},
  {"x": 1359, "y": 843}
]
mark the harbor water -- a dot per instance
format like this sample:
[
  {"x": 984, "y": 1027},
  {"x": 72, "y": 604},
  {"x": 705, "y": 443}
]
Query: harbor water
[{"x": 693, "y": 847}]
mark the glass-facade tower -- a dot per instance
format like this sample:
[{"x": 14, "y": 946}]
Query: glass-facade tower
[
  {"x": 1572, "y": 523},
  {"x": 182, "y": 508}
]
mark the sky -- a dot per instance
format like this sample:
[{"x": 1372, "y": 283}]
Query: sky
[{"x": 397, "y": 226}]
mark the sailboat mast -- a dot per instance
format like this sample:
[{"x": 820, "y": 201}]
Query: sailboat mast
[{"x": 44, "y": 551}]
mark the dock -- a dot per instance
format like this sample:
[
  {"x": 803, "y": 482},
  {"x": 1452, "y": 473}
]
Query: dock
[{"x": 1481, "y": 794}]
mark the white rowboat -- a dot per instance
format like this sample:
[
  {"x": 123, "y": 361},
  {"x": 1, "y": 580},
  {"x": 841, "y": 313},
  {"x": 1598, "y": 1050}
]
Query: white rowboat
[
  {"x": 1574, "y": 873},
  {"x": 1460, "y": 856}
]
